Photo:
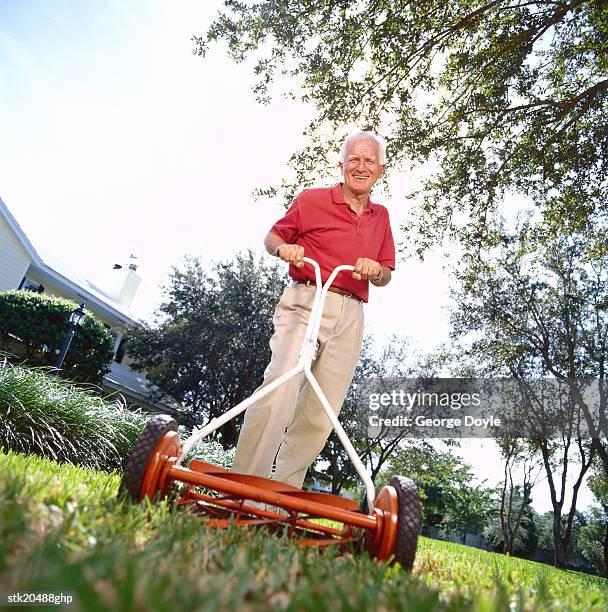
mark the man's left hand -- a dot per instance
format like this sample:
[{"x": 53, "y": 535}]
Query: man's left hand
[{"x": 367, "y": 269}]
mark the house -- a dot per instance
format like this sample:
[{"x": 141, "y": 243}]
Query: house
[{"x": 23, "y": 267}]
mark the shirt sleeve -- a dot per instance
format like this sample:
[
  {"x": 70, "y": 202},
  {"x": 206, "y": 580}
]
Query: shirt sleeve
[
  {"x": 386, "y": 256},
  {"x": 289, "y": 228}
]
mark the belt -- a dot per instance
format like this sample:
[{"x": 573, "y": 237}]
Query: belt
[{"x": 310, "y": 283}]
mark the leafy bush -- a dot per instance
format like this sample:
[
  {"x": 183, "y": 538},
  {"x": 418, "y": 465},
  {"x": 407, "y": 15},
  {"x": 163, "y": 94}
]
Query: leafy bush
[
  {"x": 41, "y": 323},
  {"x": 208, "y": 450},
  {"x": 591, "y": 540},
  {"x": 43, "y": 415}
]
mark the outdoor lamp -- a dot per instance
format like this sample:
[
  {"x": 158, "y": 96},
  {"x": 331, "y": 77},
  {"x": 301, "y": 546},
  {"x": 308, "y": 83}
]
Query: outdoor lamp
[
  {"x": 76, "y": 319},
  {"x": 77, "y": 316}
]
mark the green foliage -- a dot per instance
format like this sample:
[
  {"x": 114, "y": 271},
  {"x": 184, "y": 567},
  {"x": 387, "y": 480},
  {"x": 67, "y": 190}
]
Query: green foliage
[
  {"x": 524, "y": 539},
  {"x": 468, "y": 510},
  {"x": 44, "y": 415},
  {"x": 591, "y": 540},
  {"x": 494, "y": 96},
  {"x": 449, "y": 499},
  {"x": 598, "y": 483},
  {"x": 208, "y": 450},
  {"x": 209, "y": 346},
  {"x": 533, "y": 309},
  {"x": 593, "y": 537},
  {"x": 514, "y": 529},
  {"x": 545, "y": 534},
  {"x": 41, "y": 322},
  {"x": 63, "y": 530}
]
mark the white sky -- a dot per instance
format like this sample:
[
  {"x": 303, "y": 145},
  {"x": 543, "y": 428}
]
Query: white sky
[{"x": 115, "y": 139}]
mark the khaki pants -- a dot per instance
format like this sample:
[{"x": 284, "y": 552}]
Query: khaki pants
[{"x": 290, "y": 420}]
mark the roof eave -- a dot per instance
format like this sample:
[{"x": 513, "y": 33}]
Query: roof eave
[{"x": 121, "y": 317}]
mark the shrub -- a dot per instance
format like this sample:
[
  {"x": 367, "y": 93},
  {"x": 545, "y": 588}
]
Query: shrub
[
  {"x": 41, "y": 323},
  {"x": 208, "y": 449},
  {"x": 43, "y": 415}
]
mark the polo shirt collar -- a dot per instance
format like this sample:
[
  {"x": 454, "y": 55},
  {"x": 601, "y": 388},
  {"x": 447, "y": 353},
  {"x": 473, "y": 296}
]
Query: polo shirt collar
[{"x": 338, "y": 197}]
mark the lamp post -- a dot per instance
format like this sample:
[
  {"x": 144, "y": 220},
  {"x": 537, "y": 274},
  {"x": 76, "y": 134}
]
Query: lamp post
[{"x": 76, "y": 319}]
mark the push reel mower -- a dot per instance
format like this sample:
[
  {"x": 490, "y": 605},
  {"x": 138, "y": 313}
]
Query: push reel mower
[{"x": 388, "y": 531}]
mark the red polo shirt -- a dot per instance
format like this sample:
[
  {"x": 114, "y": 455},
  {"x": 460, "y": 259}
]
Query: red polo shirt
[{"x": 331, "y": 233}]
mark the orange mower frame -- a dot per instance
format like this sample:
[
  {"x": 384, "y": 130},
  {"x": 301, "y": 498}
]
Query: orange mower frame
[{"x": 388, "y": 532}]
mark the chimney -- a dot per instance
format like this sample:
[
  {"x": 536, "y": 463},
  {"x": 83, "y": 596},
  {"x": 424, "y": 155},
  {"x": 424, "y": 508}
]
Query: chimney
[{"x": 125, "y": 282}]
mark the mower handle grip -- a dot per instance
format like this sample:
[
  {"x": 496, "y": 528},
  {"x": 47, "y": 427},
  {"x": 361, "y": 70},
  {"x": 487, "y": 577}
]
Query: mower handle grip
[{"x": 336, "y": 270}]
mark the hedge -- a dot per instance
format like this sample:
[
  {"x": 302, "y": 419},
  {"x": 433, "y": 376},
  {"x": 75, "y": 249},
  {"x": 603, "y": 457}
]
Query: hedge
[{"x": 35, "y": 326}]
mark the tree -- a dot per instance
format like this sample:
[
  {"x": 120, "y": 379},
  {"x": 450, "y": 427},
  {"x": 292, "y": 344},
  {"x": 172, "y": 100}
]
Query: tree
[
  {"x": 545, "y": 531},
  {"x": 535, "y": 309},
  {"x": 209, "y": 345},
  {"x": 468, "y": 510},
  {"x": 34, "y": 326},
  {"x": 522, "y": 541},
  {"x": 516, "y": 498},
  {"x": 596, "y": 537},
  {"x": 591, "y": 539},
  {"x": 498, "y": 96},
  {"x": 443, "y": 480}
]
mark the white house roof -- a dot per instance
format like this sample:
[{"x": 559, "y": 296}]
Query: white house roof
[
  {"x": 122, "y": 378},
  {"x": 57, "y": 273}
]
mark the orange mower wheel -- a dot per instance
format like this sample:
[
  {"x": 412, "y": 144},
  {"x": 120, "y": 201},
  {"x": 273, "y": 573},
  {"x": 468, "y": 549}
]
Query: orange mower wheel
[
  {"x": 397, "y": 511},
  {"x": 408, "y": 525},
  {"x": 144, "y": 469}
]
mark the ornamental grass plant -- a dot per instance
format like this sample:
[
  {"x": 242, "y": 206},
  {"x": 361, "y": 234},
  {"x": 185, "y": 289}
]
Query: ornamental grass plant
[{"x": 44, "y": 415}]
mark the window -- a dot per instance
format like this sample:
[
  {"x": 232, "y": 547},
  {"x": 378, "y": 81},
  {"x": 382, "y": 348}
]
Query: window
[{"x": 28, "y": 285}]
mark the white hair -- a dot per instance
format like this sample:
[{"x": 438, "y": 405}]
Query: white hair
[{"x": 364, "y": 136}]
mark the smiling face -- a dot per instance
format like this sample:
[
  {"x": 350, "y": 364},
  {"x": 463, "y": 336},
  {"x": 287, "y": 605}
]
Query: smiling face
[{"x": 361, "y": 168}]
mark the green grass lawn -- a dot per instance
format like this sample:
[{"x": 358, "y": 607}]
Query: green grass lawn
[{"x": 61, "y": 529}]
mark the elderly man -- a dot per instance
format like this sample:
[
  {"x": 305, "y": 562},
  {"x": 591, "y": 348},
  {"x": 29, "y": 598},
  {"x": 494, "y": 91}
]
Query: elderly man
[{"x": 339, "y": 225}]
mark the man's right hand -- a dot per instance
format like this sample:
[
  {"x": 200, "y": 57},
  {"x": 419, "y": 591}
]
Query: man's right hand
[{"x": 292, "y": 253}]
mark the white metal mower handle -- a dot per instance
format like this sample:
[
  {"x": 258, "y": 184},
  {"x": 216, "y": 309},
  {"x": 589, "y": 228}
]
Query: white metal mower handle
[{"x": 307, "y": 355}]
